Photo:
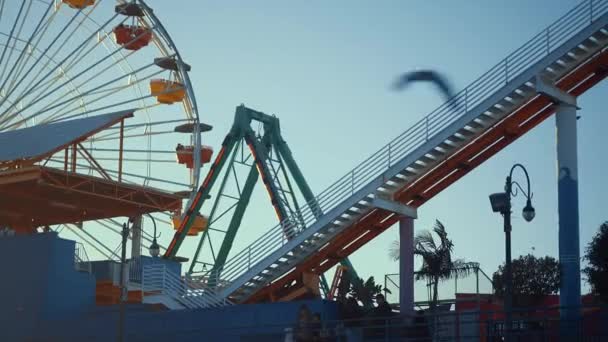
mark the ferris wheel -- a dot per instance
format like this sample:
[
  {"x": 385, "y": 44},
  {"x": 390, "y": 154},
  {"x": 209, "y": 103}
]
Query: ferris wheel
[{"x": 106, "y": 77}]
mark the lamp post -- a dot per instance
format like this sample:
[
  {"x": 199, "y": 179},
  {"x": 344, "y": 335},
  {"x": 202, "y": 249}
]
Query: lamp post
[
  {"x": 501, "y": 203},
  {"x": 154, "y": 248}
]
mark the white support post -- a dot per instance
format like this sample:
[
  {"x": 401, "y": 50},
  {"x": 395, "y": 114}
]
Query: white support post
[
  {"x": 567, "y": 164},
  {"x": 407, "y": 215},
  {"x": 569, "y": 250},
  {"x": 406, "y": 266}
]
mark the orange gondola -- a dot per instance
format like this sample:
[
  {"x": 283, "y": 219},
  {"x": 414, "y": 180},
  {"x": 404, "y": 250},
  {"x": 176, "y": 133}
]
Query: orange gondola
[
  {"x": 132, "y": 37},
  {"x": 167, "y": 92},
  {"x": 79, "y": 4},
  {"x": 199, "y": 224},
  {"x": 185, "y": 155}
]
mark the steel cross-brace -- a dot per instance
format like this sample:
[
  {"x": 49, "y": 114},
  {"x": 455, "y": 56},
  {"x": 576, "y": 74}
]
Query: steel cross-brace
[{"x": 274, "y": 162}]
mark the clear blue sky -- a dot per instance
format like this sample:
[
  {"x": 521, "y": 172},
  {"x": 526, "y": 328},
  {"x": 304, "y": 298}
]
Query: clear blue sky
[{"x": 324, "y": 67}]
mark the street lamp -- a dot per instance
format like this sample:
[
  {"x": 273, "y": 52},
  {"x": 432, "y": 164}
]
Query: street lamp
[
  {"x": 501, "y": 203},
  {"x": 154, "y": 248}
]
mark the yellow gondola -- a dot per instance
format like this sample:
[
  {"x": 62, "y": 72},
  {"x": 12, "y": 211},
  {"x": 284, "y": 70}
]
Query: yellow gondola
[
  {"x": 199, "y": 224},
  {"x": 166, "y": 91}
]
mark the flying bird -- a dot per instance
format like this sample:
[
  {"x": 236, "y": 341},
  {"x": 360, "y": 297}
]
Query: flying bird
[{"x": 425, "y": 76}]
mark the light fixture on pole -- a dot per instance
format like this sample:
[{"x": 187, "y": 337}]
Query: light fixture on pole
[
  {"x": 501, "y": 203},
  {"x": 154, "y": 248}
]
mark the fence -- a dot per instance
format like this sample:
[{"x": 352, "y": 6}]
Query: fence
[
  {"x": 81, "y": 259},
  {"x": 477, "y": 282},
  {"x": 529, "y": 324}
]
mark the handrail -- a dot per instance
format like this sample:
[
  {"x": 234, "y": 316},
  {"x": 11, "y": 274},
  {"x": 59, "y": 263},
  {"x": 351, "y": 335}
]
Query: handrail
[
  {"x": 158, "y": 279},
  {"x": 485, "y": 86},
  {"x": 81, "y": 258}
]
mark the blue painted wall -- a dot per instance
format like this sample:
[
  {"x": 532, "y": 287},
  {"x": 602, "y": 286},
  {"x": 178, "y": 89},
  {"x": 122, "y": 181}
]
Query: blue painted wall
[
  {"x": 39, "y": 282},
  {"x": 43, "y": 297},
  {"x": 264, "y": 322}
]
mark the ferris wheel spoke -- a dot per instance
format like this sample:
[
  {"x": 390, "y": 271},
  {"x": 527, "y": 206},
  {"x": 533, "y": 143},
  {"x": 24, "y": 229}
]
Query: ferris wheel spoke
[
  {"x": 26, "y": 92},
  {"x": 76, "y": 56},
  {"x": 20, "y": 113},
  {"x": 135, "y": 160},
  {"x": 61, "y": 86},
  {"x": 115, "y": 172},
  {"x": 60, "y": 62},
  {"x": 10, "y": 36},
  {"x": 54, "y": 105},
  {"x": 105, "y": 93},
  {"x": 19, "y": 75},
  {"x": 12, "y": 50},
  {"x": 132, "y": 151},
  {"x": 81, "y": 232},
  {"x": 150, "y": 124},
  {"x": 60, "y": 48},
  {"x": 1, "y": 10},
  {"x": 40, "y": 34},
  {"x": 117, "y": 136},
  {"x": 66, "y": 70},
  {"x": 57, "y": 37}
]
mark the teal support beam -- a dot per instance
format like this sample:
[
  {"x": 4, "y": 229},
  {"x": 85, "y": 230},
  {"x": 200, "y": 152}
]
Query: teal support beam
[
  {"x": 202, "y": 194},
  {"x": 235, "y": 222},
  {"x": 232, "y": 141},
  {"x": 295, "y": 171},
  {"x": 261, "y": 156}
]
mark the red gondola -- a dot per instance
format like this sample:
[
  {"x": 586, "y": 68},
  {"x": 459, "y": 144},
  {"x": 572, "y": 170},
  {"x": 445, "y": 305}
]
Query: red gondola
[
  {"x": 185, "y": 155},
  {"x": 132, "y": 37}
]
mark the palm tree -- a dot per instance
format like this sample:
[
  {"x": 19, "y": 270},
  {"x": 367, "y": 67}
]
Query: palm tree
[
  {"x": 437, "y": 263},
  {"x": 366, "y": 291}
]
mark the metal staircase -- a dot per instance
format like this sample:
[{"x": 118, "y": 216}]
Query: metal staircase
[
  {"x": 548, "y": 57},
  {"x": 160, "y": 285}
]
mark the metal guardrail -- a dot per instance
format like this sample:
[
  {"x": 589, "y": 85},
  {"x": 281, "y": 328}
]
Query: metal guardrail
[
  {"x": 477, "y": 282},
  {"x": 540, "y": 324},
  {"x": 157, "y": 279},
  {"x": 81, "y": 259},
  {"x": 488, "y": 84}
]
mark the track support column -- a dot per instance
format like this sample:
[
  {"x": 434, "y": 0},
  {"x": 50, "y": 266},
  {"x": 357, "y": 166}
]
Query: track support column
[
  {"x": 569, "y": 250},
  {"x": 407, "y": 215},
  {"x": 406, "y": 265},
  {"x": 567, "y": 193}
]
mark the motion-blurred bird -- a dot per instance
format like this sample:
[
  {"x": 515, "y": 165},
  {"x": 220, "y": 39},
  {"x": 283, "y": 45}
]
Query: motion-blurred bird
[{"x": 425, "y": 76}]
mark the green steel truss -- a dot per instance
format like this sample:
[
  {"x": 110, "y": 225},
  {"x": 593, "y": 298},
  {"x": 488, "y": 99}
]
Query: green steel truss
[{"x": 263, "y": 154}]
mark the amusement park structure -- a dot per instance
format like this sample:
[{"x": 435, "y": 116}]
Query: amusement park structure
[
  {"x": 79, "y": 170},
  {"x": 544, "y": 76},
  {"x": 268, "y": 157}
]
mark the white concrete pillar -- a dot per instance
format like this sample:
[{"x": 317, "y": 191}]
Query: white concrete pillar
[
  {"x": 569, "y": 250},
  {"x": 406, "y": 265}
]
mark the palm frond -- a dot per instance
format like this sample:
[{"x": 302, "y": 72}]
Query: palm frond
[
  {"x": 445, "y": 243},
  {"x": 424, "y": 243},
  {"x": 462, "y": 268},
  {"x": 394, "y": 250}
]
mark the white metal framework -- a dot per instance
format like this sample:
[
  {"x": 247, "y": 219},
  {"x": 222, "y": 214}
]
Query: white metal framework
[{"x": 59, "y": 63}]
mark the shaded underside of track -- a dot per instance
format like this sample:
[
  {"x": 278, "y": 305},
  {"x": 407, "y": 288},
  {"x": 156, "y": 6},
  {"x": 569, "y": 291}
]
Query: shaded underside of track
[{"x": 444, "y": 174}]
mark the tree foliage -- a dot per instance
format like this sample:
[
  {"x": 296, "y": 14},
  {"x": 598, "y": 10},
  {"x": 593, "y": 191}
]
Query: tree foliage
[
  {"x": 366, "y": 291},
  {"x": 532, "y": 277},
  {"x": 437, "y": 262},
  {"x": 596, "y": 255}
]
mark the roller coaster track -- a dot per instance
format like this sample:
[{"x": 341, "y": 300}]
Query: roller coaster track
[{"x": 569, "y": 56}]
